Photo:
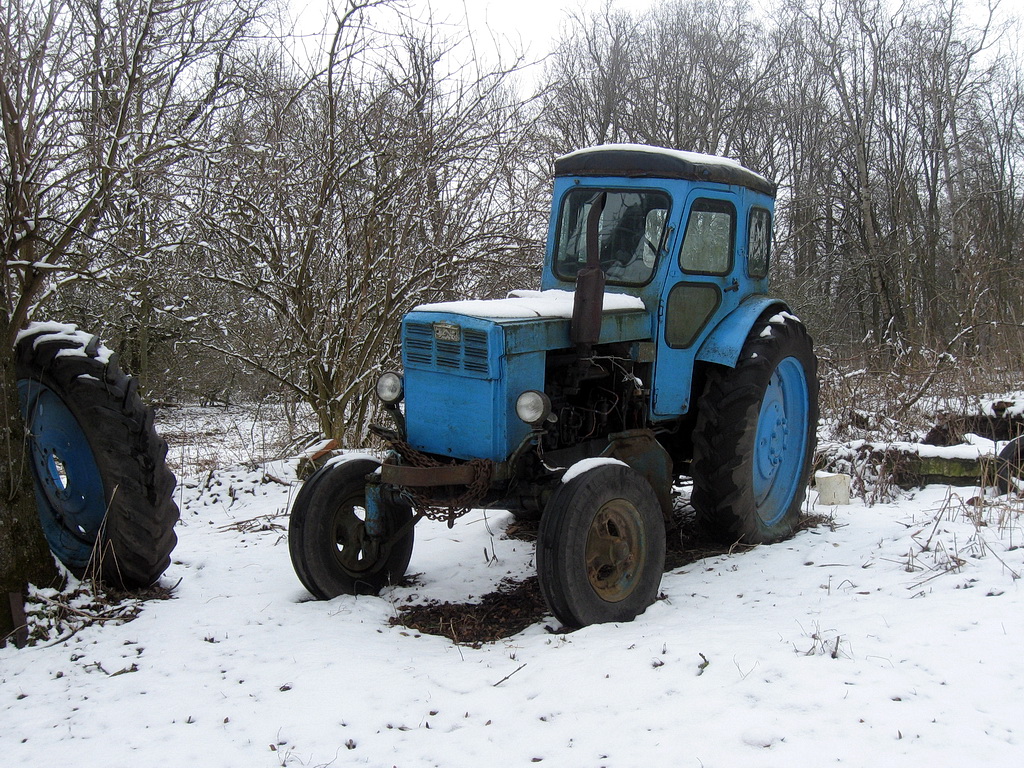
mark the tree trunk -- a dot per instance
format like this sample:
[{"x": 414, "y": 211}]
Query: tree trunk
[{"x": 24, "y": 555}]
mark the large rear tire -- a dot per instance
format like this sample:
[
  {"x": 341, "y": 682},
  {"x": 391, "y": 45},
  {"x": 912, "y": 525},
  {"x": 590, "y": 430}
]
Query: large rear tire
[
  {"x": 1010, "y": 467},
  {"x": 601, "y": 547},
  {"x": 331, "y": 550},
  {"x": 103, "y": 489},
  {"x": 755, "y": 435}
]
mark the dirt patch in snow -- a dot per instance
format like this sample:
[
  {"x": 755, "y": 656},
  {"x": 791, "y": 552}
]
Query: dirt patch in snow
[
  {"x": 511, "y": 609},
  {"x": 516, "y": 605}
]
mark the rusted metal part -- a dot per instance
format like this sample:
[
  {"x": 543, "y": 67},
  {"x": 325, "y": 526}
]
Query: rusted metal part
[
  {"x": 475, "y": 475},
  {"x": 316, "y": 457},
  {"x": 425, "y": 477},
  {"x": 615, "y": 553},
  {"x": 588, "y": 301},
  {"x": 640, "y": 449}
]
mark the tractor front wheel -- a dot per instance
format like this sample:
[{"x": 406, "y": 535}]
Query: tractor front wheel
[
  {"x": 601, "y": 547},
  {"x": 333, "y": 549}
]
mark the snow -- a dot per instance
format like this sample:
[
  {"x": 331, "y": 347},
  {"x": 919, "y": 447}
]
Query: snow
[
  {"x": 697, "y": 158},
  {"x": 344, "y": 458},
  {"x": 1009, "y": 405},
  {"x": 586, "y": 465},
  {"x": 972, "y": 449},
  {"x": 103, "y": 352},
  {"x": 889, "y": 638},
  {"x": 1000, "y": 405},
  {"x": 200, "y": 439},
  {"x": 780, "y": 318},
  {"x": 50, "y": 330},
  {"x": 527, "y": 304}
]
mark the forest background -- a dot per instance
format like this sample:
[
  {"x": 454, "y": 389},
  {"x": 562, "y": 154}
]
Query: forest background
[{"x": 244, "y": 211}]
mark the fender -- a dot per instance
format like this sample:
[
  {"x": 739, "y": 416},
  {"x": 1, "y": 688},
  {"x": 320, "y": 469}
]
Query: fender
[
  {"x": 640, "y": 449},
  {"x": 723, "y": 344}
]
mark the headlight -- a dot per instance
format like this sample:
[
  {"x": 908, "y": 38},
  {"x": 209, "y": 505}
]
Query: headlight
[
  {"x": 389, "y": 388},
  {"x": 533, "y": 407}
]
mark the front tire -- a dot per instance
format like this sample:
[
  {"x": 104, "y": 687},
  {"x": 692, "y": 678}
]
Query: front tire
[
  {"x": 601, "y": 547},
  {"x": 755, "y": 435},
  {"x": 331, "y": 551}
]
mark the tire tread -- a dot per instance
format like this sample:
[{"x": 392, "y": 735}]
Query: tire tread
[
  {"x": 138, "y": 531},
  {"x": 728, "y": 410}
]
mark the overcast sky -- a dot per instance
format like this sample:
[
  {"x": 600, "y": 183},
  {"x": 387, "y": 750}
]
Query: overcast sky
[
  {"x": 531, "y": 25},
  {"x": 535, "y": 22}
]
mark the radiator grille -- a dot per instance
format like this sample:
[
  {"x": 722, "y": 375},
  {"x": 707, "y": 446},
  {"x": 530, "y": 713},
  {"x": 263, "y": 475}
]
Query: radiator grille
[{"x": 469, "y": 355}]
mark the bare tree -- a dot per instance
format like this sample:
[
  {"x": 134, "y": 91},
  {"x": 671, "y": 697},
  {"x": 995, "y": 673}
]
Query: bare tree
[
  {"x": 100, "y": 103},
  {"x": 892, "y": 129},
  {"x": 592, "y": 78},
  {"x": 347, "y": 196},
  {"x": 702, "y": 71}
]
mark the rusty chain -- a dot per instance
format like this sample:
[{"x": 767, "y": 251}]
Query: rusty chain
[{"x": 456, "y": 507}]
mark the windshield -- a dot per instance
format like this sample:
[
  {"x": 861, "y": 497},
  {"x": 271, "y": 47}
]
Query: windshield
[{"x": 631, "y": 234}]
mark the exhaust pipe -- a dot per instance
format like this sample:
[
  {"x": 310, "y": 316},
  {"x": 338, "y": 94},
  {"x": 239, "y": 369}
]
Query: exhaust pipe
[{"x": 585, "y": 328}]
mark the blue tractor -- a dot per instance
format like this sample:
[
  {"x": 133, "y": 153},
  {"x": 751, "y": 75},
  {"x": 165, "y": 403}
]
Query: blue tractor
[{"x": 652, "y": 351}]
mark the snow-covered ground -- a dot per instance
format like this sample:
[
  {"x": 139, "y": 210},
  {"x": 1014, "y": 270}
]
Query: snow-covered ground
[
  {"x": 892, "y": 639},
  {"x": 203, "y": 438}
]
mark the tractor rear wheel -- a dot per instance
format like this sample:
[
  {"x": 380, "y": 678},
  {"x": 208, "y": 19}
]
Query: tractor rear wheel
[
  {"x": 332, "y": 551},
  {"x": 755, "y": 435},
  {"x": 601, "y": 547},
  {"x": 103, "y": 489}
]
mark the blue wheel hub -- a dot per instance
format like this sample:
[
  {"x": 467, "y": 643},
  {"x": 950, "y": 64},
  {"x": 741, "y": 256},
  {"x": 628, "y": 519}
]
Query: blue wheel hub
[
  {"x": 781, "y": 441},
  {"x": 68, "y": 484}
]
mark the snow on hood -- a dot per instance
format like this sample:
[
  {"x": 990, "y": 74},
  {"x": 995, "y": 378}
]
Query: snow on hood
[{"x": 529, "y": 304}]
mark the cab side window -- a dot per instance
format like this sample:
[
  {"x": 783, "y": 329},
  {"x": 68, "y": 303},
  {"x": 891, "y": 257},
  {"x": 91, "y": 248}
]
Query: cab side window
[
  {"x": 710, "y": 238},
  {"x": 759, "y": 242}
]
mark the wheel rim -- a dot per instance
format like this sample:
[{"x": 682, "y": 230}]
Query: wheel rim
[
  {"x": 68, "y": 483},
  {"x": 355, "y": 551},
  {"x": 615, "y": 550},
  {"x": 781, "y": 441}
]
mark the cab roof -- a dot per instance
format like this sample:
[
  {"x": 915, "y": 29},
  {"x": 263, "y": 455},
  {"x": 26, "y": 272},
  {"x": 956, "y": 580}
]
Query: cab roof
[{"x": 642, "y": 161}]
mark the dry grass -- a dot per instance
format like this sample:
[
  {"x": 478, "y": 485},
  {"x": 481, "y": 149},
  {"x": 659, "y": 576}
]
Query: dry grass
[
  {"x": 898, "y": 394},
  {"x": 913, "y": 395},
  {"x": 54, "y": 616}
]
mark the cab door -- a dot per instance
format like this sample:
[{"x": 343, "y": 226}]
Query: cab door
[{"x": 701, "y": 287}]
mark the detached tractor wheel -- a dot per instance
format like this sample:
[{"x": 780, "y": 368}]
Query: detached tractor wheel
[
  {"x": 104, "y": 493},
  {"x": 601, "y": 547},
  {"x": 755, "y": 435},
  {"x": 333, "y": 553},
  {"x": 1010, "y": 467}
]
